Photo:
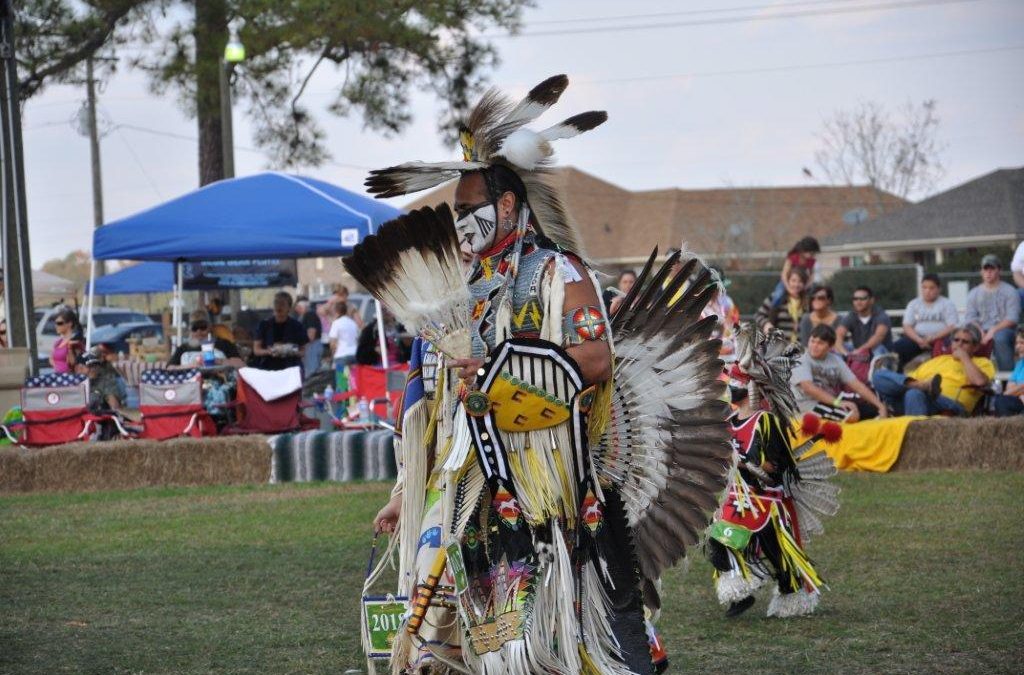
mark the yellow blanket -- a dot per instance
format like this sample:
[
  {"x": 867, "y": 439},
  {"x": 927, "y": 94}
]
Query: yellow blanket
[{"x": 872, "y": 445}]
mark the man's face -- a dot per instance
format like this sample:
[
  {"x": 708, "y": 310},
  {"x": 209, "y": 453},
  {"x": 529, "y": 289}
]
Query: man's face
[
  {"x": 476, "y": 217},
  {"x": 862, "y": 302},
  {"x": 964, "y": 341},
  {"x": 929, "y": 291},
  {"x": 990, "y": 274},
  {"x": 817, "y": 348},
  {"x": 300, "y": 308},
  {"x": 1019, "y": 345},
  {"x": 281, "y": 308}
]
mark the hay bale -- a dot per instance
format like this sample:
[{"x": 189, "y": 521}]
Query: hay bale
[
  {"x": 120, "y": 465},
  {"x": 991, "y": 443}
]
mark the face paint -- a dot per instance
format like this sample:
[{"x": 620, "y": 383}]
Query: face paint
[{"x": 477, "y": 228}]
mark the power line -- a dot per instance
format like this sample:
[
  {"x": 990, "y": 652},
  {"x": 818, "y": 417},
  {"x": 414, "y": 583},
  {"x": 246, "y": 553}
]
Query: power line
[
  {"x": 689, "y": 12},
  {"x": 806, "y": 66},
  {"x": 732, "y": 19},
  {"x": 194, "y": 139}
]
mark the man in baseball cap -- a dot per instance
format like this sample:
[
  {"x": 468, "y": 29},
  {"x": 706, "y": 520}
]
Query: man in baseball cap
[{"x": 994, "y": 306}]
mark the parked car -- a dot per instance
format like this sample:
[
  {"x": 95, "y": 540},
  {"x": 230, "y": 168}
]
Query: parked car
[
  {"x": 118, "y": 336},
  {"x": 46, "y": 331}
]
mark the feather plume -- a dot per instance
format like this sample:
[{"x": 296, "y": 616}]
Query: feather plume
[
  {"x": 413, "y": 265},
  {"x": 810, "y": 424},
  {"x": 575, "y": 125},
  {"x": 540, "y": 98},
  {"x": 666, "y": 445},
  {"x": 831, "y": 432}
]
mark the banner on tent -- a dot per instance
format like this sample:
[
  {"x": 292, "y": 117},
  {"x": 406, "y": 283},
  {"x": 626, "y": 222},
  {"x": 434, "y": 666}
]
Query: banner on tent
[{"x": 252, "y": 273}]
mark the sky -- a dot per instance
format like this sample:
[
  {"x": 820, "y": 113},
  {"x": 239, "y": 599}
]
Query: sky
[{"x": 700, "y": 94}]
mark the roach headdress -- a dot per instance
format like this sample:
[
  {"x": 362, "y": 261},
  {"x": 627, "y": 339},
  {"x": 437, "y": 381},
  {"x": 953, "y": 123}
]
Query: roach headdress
[
  {"x": 768, "y": 360},
  {"x": 495, "y": 133}
]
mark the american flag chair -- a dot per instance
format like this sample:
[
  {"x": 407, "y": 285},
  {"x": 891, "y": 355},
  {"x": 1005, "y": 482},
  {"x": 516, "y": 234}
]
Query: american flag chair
[
  {"x": 171, "y": 403},
  {"x": 55, "y": 410}
]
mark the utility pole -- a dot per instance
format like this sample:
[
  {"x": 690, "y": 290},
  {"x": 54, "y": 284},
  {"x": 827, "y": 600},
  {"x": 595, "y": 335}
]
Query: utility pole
[
  {"x": 17, "y": 262},
  {"x": 94, "y": 153}
]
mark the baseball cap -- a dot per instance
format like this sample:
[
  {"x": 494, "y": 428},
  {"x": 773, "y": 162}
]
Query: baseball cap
[
  {"x": 91, "y": 359},
  {"x": 991, "y": 260}
]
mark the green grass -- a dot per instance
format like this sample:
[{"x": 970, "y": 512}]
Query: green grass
[{"x": 924, "y": 571}]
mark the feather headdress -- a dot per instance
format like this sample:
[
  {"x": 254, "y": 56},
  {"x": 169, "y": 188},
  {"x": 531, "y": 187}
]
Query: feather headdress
[
  {"x": 769, "y": 359},
  {"x": 413, "y": 265},
  {"x": 495, "y": 133}
]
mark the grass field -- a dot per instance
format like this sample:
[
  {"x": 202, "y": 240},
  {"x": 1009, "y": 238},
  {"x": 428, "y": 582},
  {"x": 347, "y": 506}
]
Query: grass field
[{"x": 924, "y": 569}]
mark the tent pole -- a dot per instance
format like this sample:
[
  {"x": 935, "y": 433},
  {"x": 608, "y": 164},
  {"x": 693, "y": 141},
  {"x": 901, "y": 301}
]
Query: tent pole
[
  {"x": 380, "y": 335},
  {"x": 180, "y": 299},
  {"x": 88, "y": 304}
]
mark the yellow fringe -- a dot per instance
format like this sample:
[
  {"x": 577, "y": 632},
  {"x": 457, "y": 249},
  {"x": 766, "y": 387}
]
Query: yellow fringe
[
  {"x": 794, "y": 560},
  {"x": 587, "y": 665},
  {"x": 600, "y": 411}
]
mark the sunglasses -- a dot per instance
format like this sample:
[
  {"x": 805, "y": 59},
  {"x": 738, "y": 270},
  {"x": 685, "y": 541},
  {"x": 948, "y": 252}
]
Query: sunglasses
[
  {"x": 964, "y": 341},
  {"x": 60, "y": 323},
  {"x": 861, "y": 298},
  {"x": 819, "y": 297},
  {"x": 200, "y": 326}
]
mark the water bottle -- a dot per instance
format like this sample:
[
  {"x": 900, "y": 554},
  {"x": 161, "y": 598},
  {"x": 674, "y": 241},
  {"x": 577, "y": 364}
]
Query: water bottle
[
  {"x": 329, "y": 398},
  {"x": 364, "y": 410}
]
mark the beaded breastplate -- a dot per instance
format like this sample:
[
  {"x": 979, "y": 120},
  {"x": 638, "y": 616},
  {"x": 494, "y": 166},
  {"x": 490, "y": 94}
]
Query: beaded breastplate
[{"x": 487, "y": 286}]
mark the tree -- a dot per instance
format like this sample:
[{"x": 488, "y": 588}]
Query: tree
[
  {"x": 895, "y": 153},
  {"x": 74, "y": 266},
  {"x": 383, "y": 50}
]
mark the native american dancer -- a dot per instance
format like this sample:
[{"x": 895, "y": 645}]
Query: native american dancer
[
  {"x": 775, "y": 492},
  {"x": 554, "y": 475}
]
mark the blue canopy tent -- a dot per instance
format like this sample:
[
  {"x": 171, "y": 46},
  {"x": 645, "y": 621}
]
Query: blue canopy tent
[
  {"x": 147, "y": 277},
  {"x": 266, "y": 215}
]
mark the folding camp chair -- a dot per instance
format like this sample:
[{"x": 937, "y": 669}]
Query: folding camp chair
[
  {"x": 269, "y": 402},
  {"x": 171, "y": 403},
  {"x": 382, "y": 388},
  {"x": 55, "y": 410}
]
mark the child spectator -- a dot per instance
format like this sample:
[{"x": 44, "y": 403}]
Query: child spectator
[
  {"x": 821, "y": 377},
  {"x": 802, "y": 256},
  {"x": 1011, "y": 401}
]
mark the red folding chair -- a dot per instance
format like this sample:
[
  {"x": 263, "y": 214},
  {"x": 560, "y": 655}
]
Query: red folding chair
[
  {"x": 269, "y": 402},
  {"x": 382, "y": 388},
  {"x": 171, "y": 403},
  {"x": 55, "y": 410}
]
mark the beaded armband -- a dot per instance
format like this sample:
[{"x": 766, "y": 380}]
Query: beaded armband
[{"x": 584, "y": 324}]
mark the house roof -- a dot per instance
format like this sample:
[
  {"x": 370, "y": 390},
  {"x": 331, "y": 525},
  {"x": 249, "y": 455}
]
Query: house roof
[
  {"x": 986, "y": 209},
  {"x": 619, "y": 225}
]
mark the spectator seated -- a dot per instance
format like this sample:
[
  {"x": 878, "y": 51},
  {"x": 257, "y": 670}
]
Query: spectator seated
[{"x": 950, "y": 384}]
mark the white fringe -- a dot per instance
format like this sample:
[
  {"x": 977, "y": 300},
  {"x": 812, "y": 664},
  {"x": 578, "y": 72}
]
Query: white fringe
[
  {"x": 732, "y": 587},
  {"x": 800, "y": 603},
  {"x": 598, "y": 638},
  {"x": 413, "y": 490}
]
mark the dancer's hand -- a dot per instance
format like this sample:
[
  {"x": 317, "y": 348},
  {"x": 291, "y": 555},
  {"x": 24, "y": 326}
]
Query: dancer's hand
[
  {"x": 387, "y": 517},
  {"x": 466, "y": 369}
]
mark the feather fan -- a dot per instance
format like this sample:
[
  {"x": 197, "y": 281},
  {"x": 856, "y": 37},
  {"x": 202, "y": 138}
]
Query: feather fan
[
  {"x": 414, "y": 267},
  {"x": 666, "y": 446}
]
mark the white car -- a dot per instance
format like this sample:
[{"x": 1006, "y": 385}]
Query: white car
[{"x": 46, "y": 331}]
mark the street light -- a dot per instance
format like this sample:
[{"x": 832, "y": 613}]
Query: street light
[{"x": 234, "y": 52}]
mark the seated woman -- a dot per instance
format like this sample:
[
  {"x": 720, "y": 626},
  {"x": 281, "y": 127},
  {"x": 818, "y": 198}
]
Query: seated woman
[
  {"x": 821, "y": 298},
  {"x": 190, "y": 354},
  {"x": 785, "y": 313}
]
